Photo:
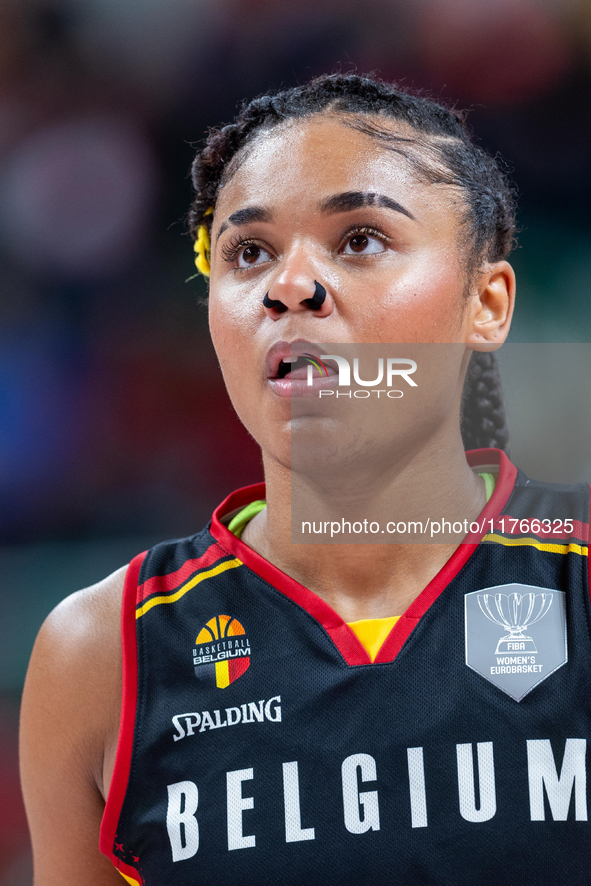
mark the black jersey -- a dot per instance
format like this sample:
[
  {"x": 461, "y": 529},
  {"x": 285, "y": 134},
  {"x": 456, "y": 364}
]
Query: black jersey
[{"x": 259, "y": 744}]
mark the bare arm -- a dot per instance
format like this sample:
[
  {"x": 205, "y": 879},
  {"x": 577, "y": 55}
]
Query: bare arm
[{"x": 69, "y": 726}]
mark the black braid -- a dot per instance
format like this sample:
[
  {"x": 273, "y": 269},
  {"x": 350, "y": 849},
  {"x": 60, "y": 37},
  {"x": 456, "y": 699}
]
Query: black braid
[
  {"x": 440, "y": 149},
  {"x": 483, "y": 420}
]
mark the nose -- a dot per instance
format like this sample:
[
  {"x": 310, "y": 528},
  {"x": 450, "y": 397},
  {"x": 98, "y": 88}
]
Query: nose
[
  {"x": 314, "y": 303},
  {"x": 295, "y": 289}
]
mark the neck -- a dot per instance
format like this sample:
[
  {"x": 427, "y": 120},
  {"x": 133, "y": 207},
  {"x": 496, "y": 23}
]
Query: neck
[{"x": 371, "y": 580}]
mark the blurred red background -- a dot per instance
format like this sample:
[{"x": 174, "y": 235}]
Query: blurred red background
[{"x": 115, "y": 430}]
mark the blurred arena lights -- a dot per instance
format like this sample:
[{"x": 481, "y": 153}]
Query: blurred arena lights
[
  {"x": 498, "y": 51},
  {"x": 77, "y": 197}
]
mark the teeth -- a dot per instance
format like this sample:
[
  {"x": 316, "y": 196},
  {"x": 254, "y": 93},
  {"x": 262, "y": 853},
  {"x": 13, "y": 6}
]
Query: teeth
[{"x": 290, "y": 359}]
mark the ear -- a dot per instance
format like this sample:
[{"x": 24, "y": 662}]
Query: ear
[{"x": 490, "y": 307}]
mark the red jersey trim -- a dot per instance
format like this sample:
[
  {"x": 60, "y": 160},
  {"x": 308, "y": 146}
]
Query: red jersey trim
[
  {"x": 130, "y": 874},
  {"x": 339, "y": 631},
  {"x": 120, "y": 777},
  {"x": 163, "y": 584}
]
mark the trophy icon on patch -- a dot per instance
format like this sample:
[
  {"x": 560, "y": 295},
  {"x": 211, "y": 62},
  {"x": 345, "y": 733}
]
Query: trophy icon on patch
[{"x": 515, "y": 612}]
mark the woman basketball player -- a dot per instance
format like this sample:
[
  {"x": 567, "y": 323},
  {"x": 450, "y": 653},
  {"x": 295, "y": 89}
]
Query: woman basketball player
[{"x": 311, "y": 714}]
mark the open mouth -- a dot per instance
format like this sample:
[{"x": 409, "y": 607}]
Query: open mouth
[{"x": 298, "y": 367}]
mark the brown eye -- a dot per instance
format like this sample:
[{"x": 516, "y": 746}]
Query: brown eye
[
  {"x": 364, "y": 244},
  {"x": 358, "y": 242},
  {"x": 252, "y": 255}
]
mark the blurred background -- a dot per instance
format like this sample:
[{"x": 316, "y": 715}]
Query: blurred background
[{"x": 115, "y": 431}]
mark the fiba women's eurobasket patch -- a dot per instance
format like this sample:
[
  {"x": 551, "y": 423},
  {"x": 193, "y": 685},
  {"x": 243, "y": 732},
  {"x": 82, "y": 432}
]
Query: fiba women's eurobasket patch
[
  {"x": 515, "y": 635},
  {"x": 222, "y": 651}
]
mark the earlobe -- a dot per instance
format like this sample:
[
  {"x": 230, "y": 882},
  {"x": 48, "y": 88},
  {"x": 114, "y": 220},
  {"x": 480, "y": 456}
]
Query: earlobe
[{"x": 491, "y": 307}]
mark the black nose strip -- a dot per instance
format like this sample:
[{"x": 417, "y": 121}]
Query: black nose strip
[
  {"x": 317, "y": 300},
  {"x": 275, "y": 303}
]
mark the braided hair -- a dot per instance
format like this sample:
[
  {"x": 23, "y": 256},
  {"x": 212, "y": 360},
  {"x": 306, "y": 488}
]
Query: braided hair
[
  {"x": 483, "y": 420},
  {"x": 438, "y": 145}
]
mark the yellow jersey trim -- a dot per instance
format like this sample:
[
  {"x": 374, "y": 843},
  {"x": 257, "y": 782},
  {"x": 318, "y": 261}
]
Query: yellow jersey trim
[
  {"x": 197, "y": 579},
  {"x": 540, "y": 545},
  {"x": 371, "y": 632}
]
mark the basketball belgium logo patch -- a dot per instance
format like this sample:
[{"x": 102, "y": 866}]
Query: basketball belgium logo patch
[{"x": 222, "y": 651}]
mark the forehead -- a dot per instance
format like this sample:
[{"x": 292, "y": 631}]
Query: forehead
[{"x": 303, "y": 161}]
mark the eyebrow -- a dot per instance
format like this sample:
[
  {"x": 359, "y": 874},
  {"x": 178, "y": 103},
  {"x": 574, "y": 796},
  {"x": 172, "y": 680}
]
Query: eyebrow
[
  {"x": 349, "y": 200},
  {"x": 344, "y": 202},
  {"x": 244, "y": 217}
]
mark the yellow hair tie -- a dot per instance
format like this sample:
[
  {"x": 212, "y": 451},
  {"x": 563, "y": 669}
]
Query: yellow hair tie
[{"x": 202, "y": 248}]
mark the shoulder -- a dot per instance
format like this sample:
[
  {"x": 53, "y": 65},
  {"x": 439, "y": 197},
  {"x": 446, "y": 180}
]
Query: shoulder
[
  {"x": 83, "y": 630},
  {"x": 73, "y": 685},
  {"x": 69, "y": 726},
  {"x": 87, "y": 615}
]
